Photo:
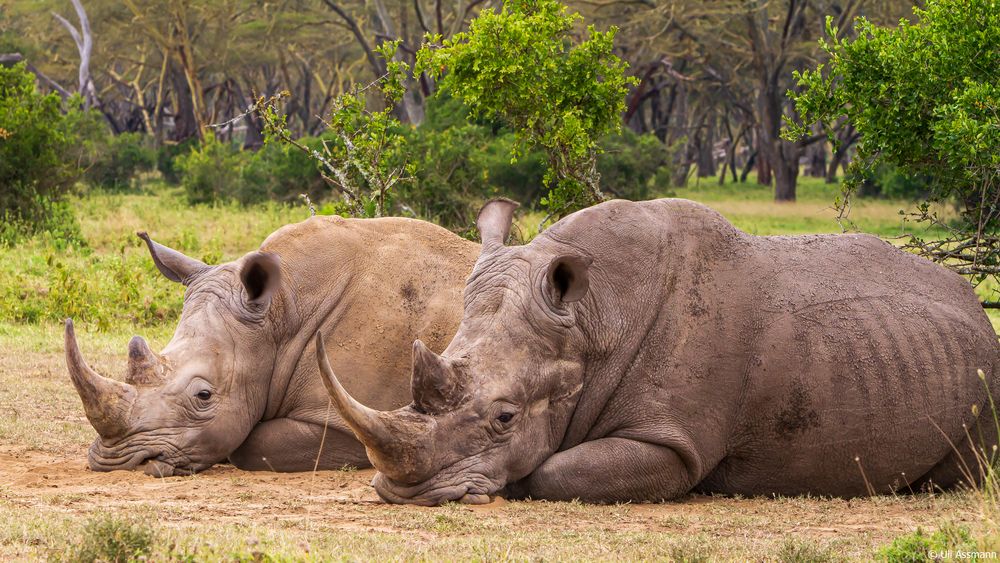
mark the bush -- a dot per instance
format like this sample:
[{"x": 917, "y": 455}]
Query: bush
[
  {"x": 459, "y": 162},
  {"x": 106, "y": 538},
  {"x": 523, "y": 65},
  {"x": 167, "y": 155},
  {"x": 218, "y": 171},
  {"x": 119, "y": 159},
  {"x": 39, "y": 155},
  {"x": 632, "y": 164},
  {"x": 924, "y": 97},
  {"x": 886, "y": 180},
  {"x": 916, "y": 547},
  {"x": 213, "y": 171},
  {"x": 282, "y": 172}
]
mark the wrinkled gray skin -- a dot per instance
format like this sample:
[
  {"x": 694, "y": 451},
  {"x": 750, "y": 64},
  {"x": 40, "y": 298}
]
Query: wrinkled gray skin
[
  {"x": 237, "y": 380},
  {"x": 639, "y": 351}
]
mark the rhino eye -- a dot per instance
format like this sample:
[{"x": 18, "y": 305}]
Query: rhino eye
[
  {"x": 505, "y": 417},
  {"x": 204, "y": 394}
]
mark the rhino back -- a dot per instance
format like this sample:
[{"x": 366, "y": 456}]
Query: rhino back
[{"x": 372, "y": 286}]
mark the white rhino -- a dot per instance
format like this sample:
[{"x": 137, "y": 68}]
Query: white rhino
[{"x": 239, "y": 378}]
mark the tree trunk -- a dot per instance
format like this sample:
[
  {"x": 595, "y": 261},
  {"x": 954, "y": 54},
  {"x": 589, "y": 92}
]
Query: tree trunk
[
  {"x": 846, "y": 138},
  {"x": 763, "y": 168},
  {"x": 84, "y": 45},
  {"x": 705, "y": 145},
  {"x": 751, "y": 160},
  {"x": 185, "y": 120},
  {"x": 816, "y": 157},
  {"x": 786, "y": 174}
]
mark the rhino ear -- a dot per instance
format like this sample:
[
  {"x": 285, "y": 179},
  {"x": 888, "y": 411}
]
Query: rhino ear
[
  {"x": 261, "y": 276},
  {"x": 171, "y": 263},
  {"x": 494, "y": 221},
  {"x": 568, "y": 278},
  {"x": 434, "y": 384}
]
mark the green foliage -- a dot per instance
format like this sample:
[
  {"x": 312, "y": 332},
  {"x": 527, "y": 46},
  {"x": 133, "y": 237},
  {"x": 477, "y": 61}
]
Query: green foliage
[
  {"x": 280, "y": 172},
  {"x": 107, "y": 538},
  {"x": 362, "y": 154},
  {"x": 633, "y": 166},
  {"x": 212, "y": 171},
  {"x": 451, "y": 175},
  {"x": 105, "y": 289},
  {"x": 119, "y": 159},
  {"x": 916, "y": 547},
  {"x": 925, "y": 98},
  {"x": 167, "y": 158},
  {"x": 218, "y": 171},
  {"x": 886, "y": 180},
  {"x": 522, "y": 67},
  {"x": 39, "y": 156}
]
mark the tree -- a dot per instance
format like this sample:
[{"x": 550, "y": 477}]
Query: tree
[
  {"x": 727, "y": 65},
  {"x": 39, "y": 162},
  {"x": 521, "y": 66},
  {"x": 924, "y": 97},
  {"x": 404, "y": 23},
  {"x": 361, "y": 158}
]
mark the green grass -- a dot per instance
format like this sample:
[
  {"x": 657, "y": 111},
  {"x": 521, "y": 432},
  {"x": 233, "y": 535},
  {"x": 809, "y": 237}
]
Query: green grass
[{"x": 112, "y": 281}]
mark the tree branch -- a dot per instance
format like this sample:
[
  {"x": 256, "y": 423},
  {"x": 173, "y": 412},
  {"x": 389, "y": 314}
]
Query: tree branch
[{"x": 356, "y": 31}]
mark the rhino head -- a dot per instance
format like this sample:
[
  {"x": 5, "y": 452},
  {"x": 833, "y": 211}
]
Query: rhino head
[
  {"x": 191, "y": 405},
  {"x": 498, "y": 401}
]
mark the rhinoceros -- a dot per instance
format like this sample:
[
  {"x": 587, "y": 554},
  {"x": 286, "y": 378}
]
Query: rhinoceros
[
  {"x": 640, "y": 351},
  {"x": 238, "y": 379}
]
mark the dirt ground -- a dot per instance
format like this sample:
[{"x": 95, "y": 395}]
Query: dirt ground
[
  {"x": 340, "y": 505},
  {"x": 48, "y": 495}
]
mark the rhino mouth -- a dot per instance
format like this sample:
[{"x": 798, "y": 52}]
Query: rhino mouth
[
  {"x": 471, "y": 490},
  {"x": 157, "y": 462}
]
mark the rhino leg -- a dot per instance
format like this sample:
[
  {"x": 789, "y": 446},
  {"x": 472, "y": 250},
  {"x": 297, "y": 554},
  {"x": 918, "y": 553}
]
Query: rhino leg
[
  {"x": 284, "y": 444},
  {"x": 609, "y": 470}
]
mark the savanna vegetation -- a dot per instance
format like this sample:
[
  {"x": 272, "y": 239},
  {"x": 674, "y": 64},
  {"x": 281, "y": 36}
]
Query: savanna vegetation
[{"x": 211, "y": 124}]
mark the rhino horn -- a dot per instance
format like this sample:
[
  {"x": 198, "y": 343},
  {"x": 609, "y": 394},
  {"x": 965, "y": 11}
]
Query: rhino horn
[
  {"x": 434, "y": 384},
  {"x": 144, "y": 367},
  {"x": 106, "y": 402},
  {"x": 393, "y": 440}
]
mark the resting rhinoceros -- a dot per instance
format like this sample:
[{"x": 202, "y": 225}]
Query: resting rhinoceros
[
  {"x": 238, "y": 380},
  {"x": 639, "y": 351}
]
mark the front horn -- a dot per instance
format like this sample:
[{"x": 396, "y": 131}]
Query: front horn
[
  {"x": 106, "y": 402},
  {"x": 393, "y": 439}
]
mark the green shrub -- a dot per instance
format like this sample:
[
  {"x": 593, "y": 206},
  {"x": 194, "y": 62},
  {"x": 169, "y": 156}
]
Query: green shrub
[
  {"x": 104, "y": 289},
  {"x": 213, "y": 171},
  {"x": 107, "y": 538},
  {"x": 39, "y": 155},
  {"x": 167, "y": 156},
  {"x": 924, "y": 97},
  {"x": 917, "y": 546},
  {"x": 632, "y": 165},
  {"x": 450, "y": 180},
  {"x": 886, "y": 180},
  {"x": 119, "y": 159},
  {"x": 282, "y": 172},
  {"x": 523, "y": 65}
]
